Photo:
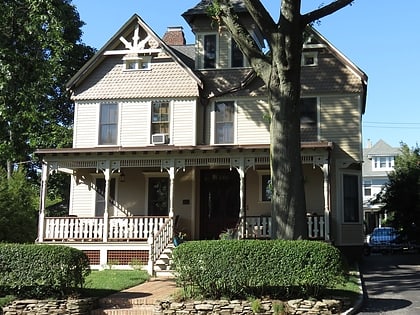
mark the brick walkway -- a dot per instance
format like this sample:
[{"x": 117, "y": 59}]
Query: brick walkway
[{"x": 139, "y": 299}]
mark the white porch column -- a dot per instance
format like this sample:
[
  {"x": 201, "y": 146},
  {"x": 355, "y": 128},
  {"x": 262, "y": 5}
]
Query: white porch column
[
  {"x": 242, "y": 165},
  {"x": 107, "y": 173},
  {"x": 325, "y": 171},
  {"x": 171, "y": 172},
  {"x": 172, "y": 167},
  {"x": 43, "y": 194}
]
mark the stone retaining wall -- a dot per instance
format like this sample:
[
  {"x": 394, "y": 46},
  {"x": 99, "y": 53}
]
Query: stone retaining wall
[
  {"x": 266, "y": 307},
  {"x": 50, "y": 307}
]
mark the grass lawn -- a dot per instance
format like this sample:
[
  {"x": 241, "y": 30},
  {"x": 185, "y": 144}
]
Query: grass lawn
[
  {"x": 106, "y": 282},
  {"x": 103, "y": 283}
]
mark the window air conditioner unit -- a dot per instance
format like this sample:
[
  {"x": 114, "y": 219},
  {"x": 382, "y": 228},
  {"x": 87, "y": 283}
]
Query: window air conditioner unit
[{"x": 160, "y": 138}]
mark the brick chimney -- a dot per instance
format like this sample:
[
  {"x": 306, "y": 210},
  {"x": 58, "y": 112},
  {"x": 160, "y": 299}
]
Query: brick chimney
[{"x": 174, "y": 36}]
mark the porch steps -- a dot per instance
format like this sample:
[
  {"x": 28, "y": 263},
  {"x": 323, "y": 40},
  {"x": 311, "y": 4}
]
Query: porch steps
[{"x": 163, "y": 265}]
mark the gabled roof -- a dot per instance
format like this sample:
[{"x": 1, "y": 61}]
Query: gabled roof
[
  {"x": 381, "y": 148},
  {"x": 201, "y": 9},
  {"x": 114, "y": 42}
]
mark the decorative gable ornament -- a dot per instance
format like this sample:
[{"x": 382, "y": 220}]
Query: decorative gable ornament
[{"x": 137, "y": 45}]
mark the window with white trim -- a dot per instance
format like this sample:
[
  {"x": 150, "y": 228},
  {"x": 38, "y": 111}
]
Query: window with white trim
[
  {"x": 236, "y": 55},
  {"x": 224, "y": 122},
  {"x": 309, "y": 118},
  {"x": 210, "y": 44},
  {"x": 160, "y": 117},
  {"x": 351, "y": 198},
  {"x": 309, "y": 59},
  {"x": 266, "y": 190},
  {"x": 108, "y": 124},
  {"x": 137, "y": 63},
  {"x": 383, "y": 163},
  {"x": 367, "y": 188}
]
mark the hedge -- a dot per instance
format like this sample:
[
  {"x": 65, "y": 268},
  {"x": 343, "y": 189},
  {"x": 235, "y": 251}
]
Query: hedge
[
  {"x": 244, "y": 268},
  {"x": 41, "y": 271}
]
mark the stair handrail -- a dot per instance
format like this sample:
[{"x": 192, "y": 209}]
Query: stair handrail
[{"x": 159, "y": 241}]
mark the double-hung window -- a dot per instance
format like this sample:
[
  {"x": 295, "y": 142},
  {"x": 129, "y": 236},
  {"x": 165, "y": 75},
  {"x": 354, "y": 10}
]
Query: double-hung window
[
  {"x": 108, "y": 124},
  {"x": 210, "y": 51},
  {"x": 309, "y": 118},
  {"x": 383, "y": 163},
  {"x": 236, "y": 56},
  {"x": 351, "y": 198},
  {"x": 224, "y": 122},
  {"x": 160, "y": 117}
]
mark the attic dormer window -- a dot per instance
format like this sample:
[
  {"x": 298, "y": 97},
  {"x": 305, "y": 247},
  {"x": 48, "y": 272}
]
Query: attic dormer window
[
  {"x": 309, "y": 58},
  {"x": 132, "y": 63},
  {"x": 210, "y": 51}
]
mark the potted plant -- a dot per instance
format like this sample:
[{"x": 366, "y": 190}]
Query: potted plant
[{"x": 179, "y": 237}]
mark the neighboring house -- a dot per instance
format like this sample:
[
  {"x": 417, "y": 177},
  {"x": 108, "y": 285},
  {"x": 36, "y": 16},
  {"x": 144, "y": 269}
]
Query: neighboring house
[
  {"x": 378, "y": 161},
  {"x": 168, "y": 135}
]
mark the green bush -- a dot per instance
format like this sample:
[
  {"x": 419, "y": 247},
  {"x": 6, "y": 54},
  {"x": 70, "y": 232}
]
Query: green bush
[
  {"x": 41, "y": 271},
  {"x": 240, "y": 269}
]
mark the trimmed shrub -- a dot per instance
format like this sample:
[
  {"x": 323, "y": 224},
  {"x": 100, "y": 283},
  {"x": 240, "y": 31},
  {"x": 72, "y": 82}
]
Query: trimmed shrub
[
  {"x": 41, "y": 271},
  {"x": 275, "y": 268}
]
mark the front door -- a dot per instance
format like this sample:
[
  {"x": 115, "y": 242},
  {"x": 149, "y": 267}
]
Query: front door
[
  {"x": 219, "y": 202},
  {"x": 158, "y": 196}
]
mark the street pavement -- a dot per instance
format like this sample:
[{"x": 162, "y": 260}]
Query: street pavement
[{"x": 391, "y": 284}]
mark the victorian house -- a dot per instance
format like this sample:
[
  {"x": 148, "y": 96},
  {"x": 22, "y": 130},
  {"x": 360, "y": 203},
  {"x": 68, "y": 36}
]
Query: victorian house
[{"x": 169, "y": 136}]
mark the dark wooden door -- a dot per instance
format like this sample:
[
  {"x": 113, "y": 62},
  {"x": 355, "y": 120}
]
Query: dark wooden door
[{"x": 219, "y": 202}]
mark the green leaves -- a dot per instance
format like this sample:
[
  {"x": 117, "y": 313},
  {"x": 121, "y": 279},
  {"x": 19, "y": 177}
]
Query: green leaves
[
  {"x": 238, "y": 269},
  {"x": 401, "y": 194},
  {"x": 40, "y": 50},
  {"x": 40, "y": 271},
  {"x": 18, "y": 210}
]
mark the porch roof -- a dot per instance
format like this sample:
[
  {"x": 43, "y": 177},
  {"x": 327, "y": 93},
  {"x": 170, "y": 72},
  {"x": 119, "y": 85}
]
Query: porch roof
[{"x": 168, "y": 149}]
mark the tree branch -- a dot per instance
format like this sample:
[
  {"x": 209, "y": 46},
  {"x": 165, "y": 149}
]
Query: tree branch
[
  {"x": 324, "y": 11},
  {"x": 244, "y": 40},
  {"x": 261, "y": 17}
]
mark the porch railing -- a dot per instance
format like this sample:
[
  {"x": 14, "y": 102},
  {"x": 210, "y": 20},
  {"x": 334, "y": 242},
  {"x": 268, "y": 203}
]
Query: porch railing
[
  {"x": 255, "y": 227},
  {"x": 260, "y": 227},
  {"x": 159, "y": 241},
  {"x": 316, "y": 226},
  {"x": 92, "y": 228}
]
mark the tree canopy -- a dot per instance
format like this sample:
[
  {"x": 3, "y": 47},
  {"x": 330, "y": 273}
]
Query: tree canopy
[
  {"x": 40, "y": 49},
  {"x": 280, "y": 70}
]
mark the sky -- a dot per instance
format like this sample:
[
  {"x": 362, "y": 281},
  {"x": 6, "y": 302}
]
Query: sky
[{"x": 381, "y": 37}]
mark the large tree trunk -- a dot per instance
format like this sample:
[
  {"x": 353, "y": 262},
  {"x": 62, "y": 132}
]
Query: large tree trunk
[{"x": 288, "y": 198}]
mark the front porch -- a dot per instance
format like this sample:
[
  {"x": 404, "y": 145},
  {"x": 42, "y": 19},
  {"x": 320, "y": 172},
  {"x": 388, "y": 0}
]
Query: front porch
[
  {"x": 124, "y": 202},
  {"x": 123, "y": 242}
]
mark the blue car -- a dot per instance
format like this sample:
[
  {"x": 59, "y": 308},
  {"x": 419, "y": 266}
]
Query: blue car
[{"x": 384, "y": 239}]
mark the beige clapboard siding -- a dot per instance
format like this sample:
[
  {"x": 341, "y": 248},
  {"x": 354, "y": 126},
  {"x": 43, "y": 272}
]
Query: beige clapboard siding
[
  {"x": 183, "y": 131},
  {"x": 340, "y": 123},
  {"x": 252, "y": 126},
  {"x": 82, "y": 200},
  {"x": 134, "y": 128},
  {"x": 85, "y": 131}
]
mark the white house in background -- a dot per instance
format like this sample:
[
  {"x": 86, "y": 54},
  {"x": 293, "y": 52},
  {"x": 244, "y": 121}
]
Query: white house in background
[
  {"x": 169, "y": 135},
  {"x": 378, "y": 161}
]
